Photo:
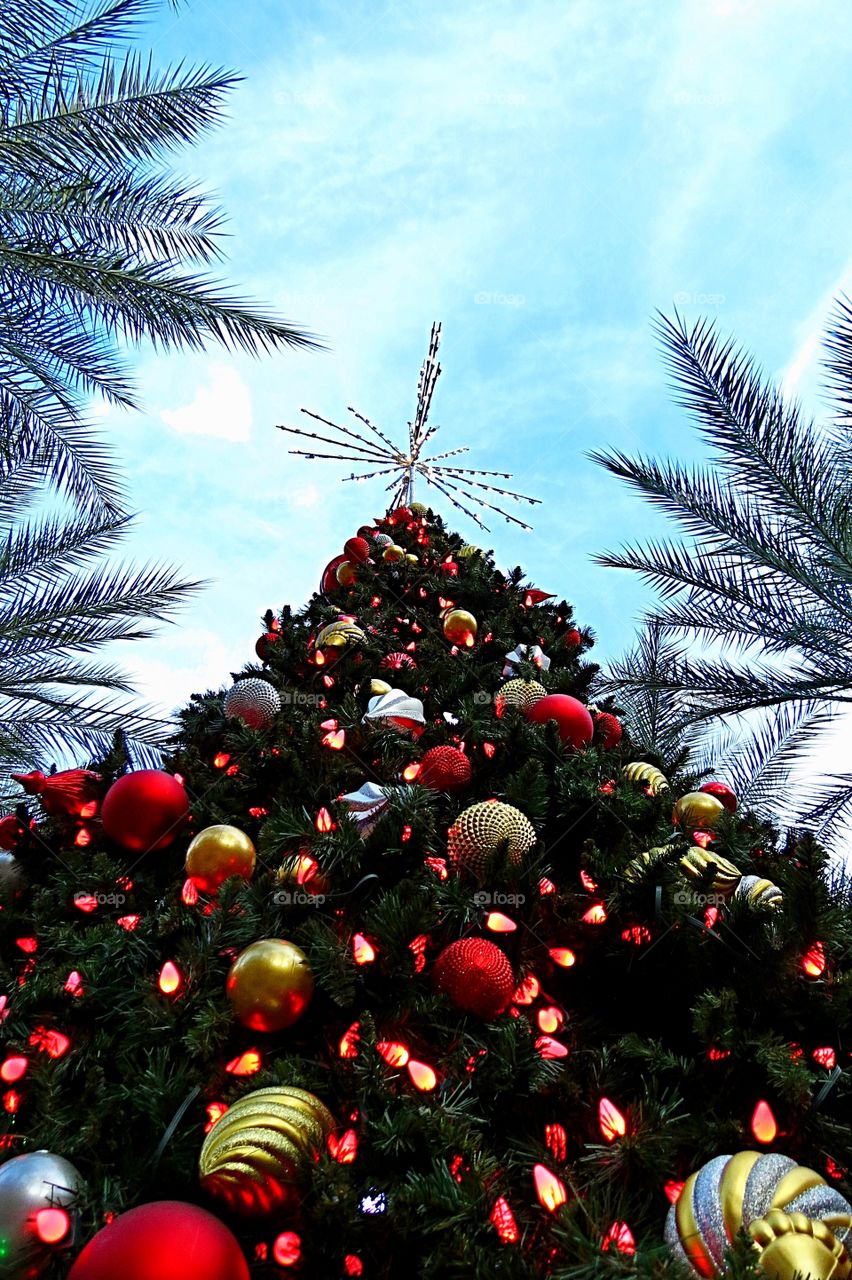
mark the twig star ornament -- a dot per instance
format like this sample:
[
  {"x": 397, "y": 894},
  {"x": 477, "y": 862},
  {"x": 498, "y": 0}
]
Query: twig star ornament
[{"x": 369, "y": 446}]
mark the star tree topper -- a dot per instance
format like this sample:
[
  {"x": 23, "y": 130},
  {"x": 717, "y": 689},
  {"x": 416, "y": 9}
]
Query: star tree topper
[{"x": 369, "y": 446}]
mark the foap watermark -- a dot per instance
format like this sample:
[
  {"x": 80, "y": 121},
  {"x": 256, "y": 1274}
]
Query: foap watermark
[
  {"x": 299, "y": 698},
  {"x": 297, "y": 898},
  {"x": 85, "y": 898},
  {"x": 685, "y": 897},
  {"x": 694, "y": 298},
  {"x": 483, "y": 898},
  {"x": 492, "y": 298}
]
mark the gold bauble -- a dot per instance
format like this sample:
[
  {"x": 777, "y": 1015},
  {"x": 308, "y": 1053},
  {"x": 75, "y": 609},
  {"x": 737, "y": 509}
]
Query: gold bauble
[
  {"x": 417, "y": 508},
  {"x": 411, "y": 558},
  {"x": 697, "y": 811},
  {"x": 648, "y": 774},
  {"x": 216, "y": 854},
  {"x": 340, "y": 635},
  {"x": 346, "y": 573},
  {"x": 460, "y": 627},
  {"x": 378, "y": 687},
  {"x": 255, "y": 1155},
  {"x": 393, "y": 553},
  {"x": 481, "y": 830},
  {"x": 518, "y": 693},
  {"x": 795, "y": 1218},
  {"x": 711, "y": 871},
  {"x": 270, "y": 985}
]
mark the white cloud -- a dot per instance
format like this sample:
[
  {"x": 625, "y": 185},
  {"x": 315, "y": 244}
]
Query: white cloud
[{"x": 221, "y": 409}]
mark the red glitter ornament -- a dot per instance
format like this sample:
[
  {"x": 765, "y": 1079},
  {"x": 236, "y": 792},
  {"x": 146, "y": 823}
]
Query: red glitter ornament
[
  {"x": 69, "y": 792},
  {"x": 357, "y": 550},
  {"x": 723, "y": 793},
  {"x": 476, "y": 975},
  {"x": 144, "y": 810},
  {"x": 572, "y": 718},
  {"x": 445, "y": 769},
  {"x": 608, "y": 730}
]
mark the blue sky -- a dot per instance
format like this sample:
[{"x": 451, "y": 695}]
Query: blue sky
[{"x": 541, "y": 177}]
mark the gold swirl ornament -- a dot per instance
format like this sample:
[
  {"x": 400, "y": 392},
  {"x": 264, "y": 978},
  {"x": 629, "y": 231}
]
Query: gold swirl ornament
[
  {"x": 761, "y": 895},
  {"x": 646, "y": 774},
  {"x": 711, "y": 871},
  {"x": 792, "y": 1244},
  {"x": 734, "y": 1193},
  {"x": 339, "y": 635},
  {"x": 646, "y": 861},
  {"x": 255, "y": 1156}
]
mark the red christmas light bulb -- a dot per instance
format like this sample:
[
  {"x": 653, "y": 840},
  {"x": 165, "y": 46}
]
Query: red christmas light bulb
[
  {"x": 763, "y": 1123},
  {"x": 170, "y": 979},
  {"x": 550, "y": 1190},
  {"x": 612, "y": 1123}
]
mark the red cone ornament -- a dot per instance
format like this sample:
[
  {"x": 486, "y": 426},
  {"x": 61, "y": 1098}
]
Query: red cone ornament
[
  {"x": 69, "y": 792},
  {"x": 476, "y": 976},
  {"x": 163, "y": 1240},
  {"x": 144, "y": 810},
  {"x": 445, "y": 769},
  {"x": 572, "y": 718}
]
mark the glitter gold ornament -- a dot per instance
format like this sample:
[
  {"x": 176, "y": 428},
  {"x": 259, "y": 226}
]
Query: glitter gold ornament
[
  {"x": 255, "y": 1156},
  {"x": 711, "y": 871},
  {"x": 697, "y": 811},
  {"x": 216, "y": 854},
  {"x": 518, "y": 693},
  {"x": 340, "y": 635},
  {"x": 761, "y": 895},
  {"x": 480, "y": 831},
  {"x": 417, "y": 508},
  {"x": 648, "y": 775},
  {"x": 460, "y": 627},
  {"x": 393, "y": 553},
  {"x": 742, "y": 1192},
  {"x": 270, "y": 985}
]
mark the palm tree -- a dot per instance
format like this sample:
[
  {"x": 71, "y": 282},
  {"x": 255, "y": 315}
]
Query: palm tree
[
  {"x": 766, "y": 567},
  {"x": 99, "y": 243},
  {"x": 60, "y": 603}
]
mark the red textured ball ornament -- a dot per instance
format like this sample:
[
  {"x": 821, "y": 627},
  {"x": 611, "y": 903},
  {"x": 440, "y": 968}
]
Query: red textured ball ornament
[
  {"x": 572, "y": 718},
  {"x": 608, "y": 730},
  {"x": 164, "y": 1240},
  {"x": 573, "y": 639},
  {"x": 723, "y": 793},
  {"x": 476, "y": 976},
  {"x": 144, "y": 810},
  {"x": 445, "y": 769},
  {"x": 357, "y": 550}
]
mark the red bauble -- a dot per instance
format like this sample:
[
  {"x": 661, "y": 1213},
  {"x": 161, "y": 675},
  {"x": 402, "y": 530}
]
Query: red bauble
[
  {"x": 264, "y": 644},
  {"x": 357, "y": 550},
  {"x": 572, "y": 718},
  {"x": 476, "y": 976},
  {"x": 723, "y": 793},
  {"x": 402, "y": 515},
  {"x": 573, "y": 639},
  {"x": 144, "y": 810},
  {"x": 164, "y": 1240},
  {"x": 328, "y": 581},
  {"x": 608, "y": 730},
  {"x": 445, "y": 769}
]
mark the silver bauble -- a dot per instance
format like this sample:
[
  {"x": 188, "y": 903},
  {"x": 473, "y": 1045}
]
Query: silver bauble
[
  {"x": 253, "y": 701},
  {"x": 28, "y": 1183}
]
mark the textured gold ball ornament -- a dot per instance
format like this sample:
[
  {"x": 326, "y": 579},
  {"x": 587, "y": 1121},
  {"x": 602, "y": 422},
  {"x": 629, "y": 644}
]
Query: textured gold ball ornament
[
  {"x": 346, "y": 573},
  {"x": 710, "y": 870},
  {"x": 761, "y": 895},
  {"x": 518, "y": 693},
  {"x": 270, "y": 985},
  {"x": 481, "y": 830},
  {"x": 460, "y": 627},
  {"x": 340, "y": 635},
  {"x": 378, "y": 687},
  {"x": 216, "y": 854},
  {"x": 255, "y": 1156},
  {"x": 746, "y": 1192},
  {"x": 646, "y": 774},
  {"x": 393, "y": 553},
  {"x": 697, "y": 811},
  {"x": 417, "y": 508}
]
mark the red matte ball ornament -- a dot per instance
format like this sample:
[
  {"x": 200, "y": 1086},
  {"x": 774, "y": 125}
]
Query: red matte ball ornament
[
  {"x": 572, "y": 718},
  {"x": 144, "y": 810},
  {"x": 163, "y": 1240}
]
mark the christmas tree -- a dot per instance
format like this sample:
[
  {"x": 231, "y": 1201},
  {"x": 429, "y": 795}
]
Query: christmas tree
[{"x": 410, "y": 962}]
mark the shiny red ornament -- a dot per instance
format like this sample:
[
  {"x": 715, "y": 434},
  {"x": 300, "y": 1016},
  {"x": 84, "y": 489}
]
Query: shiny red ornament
[
  {"x": 69, "y": 792},
  {"x": 572, "y": 718},
  {"x": 162, "y": 1240},
  {"x": 723, "y": 793},
  {"x": 445, "y": 769},
  {"x": 476, "y": 975},
  {"x": 11, "y": 831},
  {"x": 145, "y": 810},
  {"x": 608, "y": 731},
  {"x": 328, "y": 581},
  {"x": 263, "y": 647},
  {"x": 536, "y": 596},
  {"x": 357, "y": 550}
]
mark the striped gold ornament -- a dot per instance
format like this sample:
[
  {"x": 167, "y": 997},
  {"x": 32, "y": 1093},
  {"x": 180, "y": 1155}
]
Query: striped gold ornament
[
  {"x": 340, "y": 635},
  {"x": 711, "y": 871},
  {"x": 648, "y": 774},
  {"x": 761, "y": 895},
  {"x": 255, "y": 1156},
  {"x": 646, "y": 861}
]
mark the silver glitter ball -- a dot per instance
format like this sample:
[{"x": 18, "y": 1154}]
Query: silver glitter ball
[
  {"x": 382, "y": 540},
  {"x": 29, "y": 1183},
  {"x": 253, "y": 701}
]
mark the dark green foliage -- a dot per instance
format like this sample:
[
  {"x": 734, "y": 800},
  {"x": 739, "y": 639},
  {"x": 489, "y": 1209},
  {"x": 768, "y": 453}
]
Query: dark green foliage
[{"x": 654, "y": 987}]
